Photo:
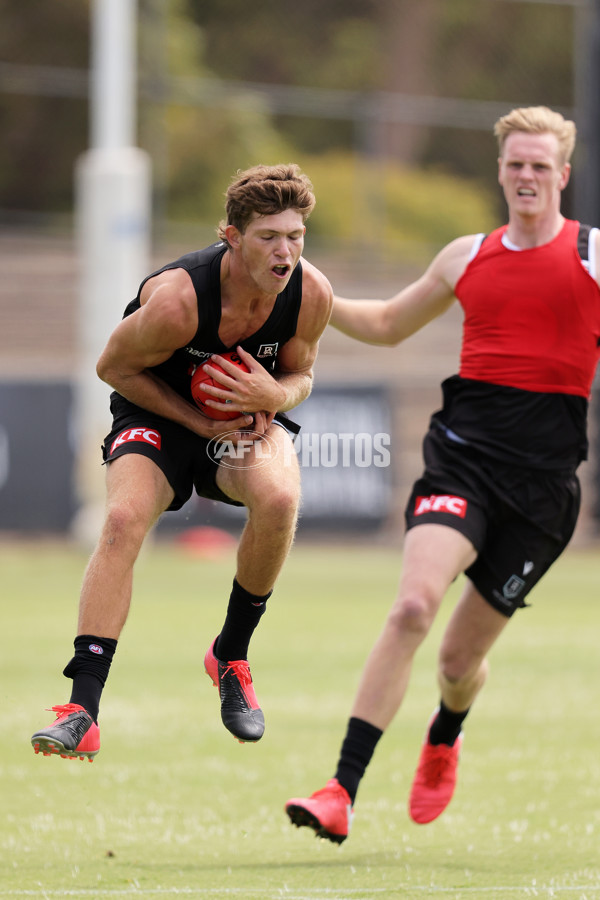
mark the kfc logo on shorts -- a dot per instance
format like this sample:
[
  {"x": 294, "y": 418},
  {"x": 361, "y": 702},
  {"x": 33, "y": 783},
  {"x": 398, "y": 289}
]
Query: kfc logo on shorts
[
  {"x": 146, "y": 435},
  {"x": 457, "y": 506}
]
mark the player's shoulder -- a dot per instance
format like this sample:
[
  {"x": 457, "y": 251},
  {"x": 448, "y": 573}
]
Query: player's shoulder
[
  {"x": 170, "y": 298},
  {"x": 314, "y": 282},
  {"x": 317, "y": 297},
  {"x": 453, "y": 259},
  {"x": 463, "y": 246},
  {"x": 173, "y": 284}
]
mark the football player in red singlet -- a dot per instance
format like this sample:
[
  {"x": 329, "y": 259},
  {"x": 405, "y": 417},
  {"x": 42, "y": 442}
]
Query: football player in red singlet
[
  {"x": 499, "y": 495},
  {"x": 250, "y": 292}
]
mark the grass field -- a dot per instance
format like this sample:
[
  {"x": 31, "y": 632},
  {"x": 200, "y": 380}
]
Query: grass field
[{"x": 174, "y": 806}]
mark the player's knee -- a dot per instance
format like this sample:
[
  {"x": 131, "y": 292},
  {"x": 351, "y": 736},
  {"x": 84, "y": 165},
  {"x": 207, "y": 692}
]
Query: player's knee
[
  {"x": 456, "y": 667},
  {"x": 450, "y": 671},
  {"x": 411, "y": 614},
  {"x": 283, "y": 500},
  {"x": 124, "y": 525}
]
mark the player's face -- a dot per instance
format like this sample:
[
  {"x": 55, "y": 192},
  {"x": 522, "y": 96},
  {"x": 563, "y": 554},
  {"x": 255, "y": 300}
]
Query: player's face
[
  {"x": 531, "y": 173},
  {"x": 271, "y": 247}
]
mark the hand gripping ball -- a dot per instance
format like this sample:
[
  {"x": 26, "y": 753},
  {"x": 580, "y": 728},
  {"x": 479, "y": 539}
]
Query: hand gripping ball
[{"x": 200, "y": 378}]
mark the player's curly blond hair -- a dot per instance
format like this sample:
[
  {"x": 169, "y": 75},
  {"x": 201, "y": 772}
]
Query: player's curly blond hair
[
  {"x": 538, "y": 120},
  {"x": 266, "y": 191}
]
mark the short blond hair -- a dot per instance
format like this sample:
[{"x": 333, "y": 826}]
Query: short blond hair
[
  {"x": 538, "y": 120},
  {"x": 266, "y": 191}
]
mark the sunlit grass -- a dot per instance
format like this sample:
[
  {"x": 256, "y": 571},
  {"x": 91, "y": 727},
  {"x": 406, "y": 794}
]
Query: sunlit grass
[{"x": 173, "y": 805}]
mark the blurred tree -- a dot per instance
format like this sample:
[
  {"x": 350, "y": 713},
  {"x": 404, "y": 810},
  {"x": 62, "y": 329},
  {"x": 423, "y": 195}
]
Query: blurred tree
[
  {"x": 418, "y": 209},
  {"x": 203, "y": 147},
  {"x": 475, "y": 49},
  {"x": 41, "y": 135},
  {"x": 409, "y": 35},
  {"x": 332, "y": 45},
  {"x": 282, "y": 41},
  {"x": 514, "y": 51},
  {"x": 518, "y": 52}
]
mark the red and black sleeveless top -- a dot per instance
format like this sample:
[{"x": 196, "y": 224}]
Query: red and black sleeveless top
[{"x": 530, "y": 348}]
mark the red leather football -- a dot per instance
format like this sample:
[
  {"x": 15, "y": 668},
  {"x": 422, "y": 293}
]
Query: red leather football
[{"x": 200, "y": 377}]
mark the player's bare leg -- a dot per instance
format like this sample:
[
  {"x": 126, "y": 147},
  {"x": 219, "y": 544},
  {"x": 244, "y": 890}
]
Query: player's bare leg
[
  {"x": 137, "y": 493},
  {"x": 472, "y": 630},
  {"x": 433, "y": 557},
  {"x": 462, "y": 671},
  {"x": 267, "y": 481}
]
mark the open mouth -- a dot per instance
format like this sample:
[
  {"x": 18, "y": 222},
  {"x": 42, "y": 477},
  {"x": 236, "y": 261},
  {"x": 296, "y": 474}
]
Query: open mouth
[
  {"x": 526, "y": 192},
  {"x": 281, "y": 271}
]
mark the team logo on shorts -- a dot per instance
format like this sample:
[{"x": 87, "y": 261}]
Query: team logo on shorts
[
  {"x": 445, "y": 503},
  {"x": 513, "y": 587},
  {"x": 145, "y": 435}
]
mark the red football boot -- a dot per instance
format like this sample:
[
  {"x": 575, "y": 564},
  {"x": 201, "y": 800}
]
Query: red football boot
[
  {"x": 434, "y": 781},
  {"x": 73, "y": 734},
  {"x": 240, "y": 712},
  {"x": 328, "y": 812}
]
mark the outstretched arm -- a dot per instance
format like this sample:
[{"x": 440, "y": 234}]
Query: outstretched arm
[{"x": 388, "y": 322}]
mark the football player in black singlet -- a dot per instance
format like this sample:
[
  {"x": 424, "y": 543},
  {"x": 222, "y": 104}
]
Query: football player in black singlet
[
  {"x": 499, "y": 496},
  {"x": 250, "y": 292}
]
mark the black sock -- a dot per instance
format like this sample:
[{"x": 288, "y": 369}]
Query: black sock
[
  {"x": 89, "y": 670},
  {"x": 243, "y": 615},
  {"x": 446, "y": 726},
  {"x": 357, "y": 749}
]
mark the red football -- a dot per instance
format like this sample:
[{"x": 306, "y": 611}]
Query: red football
[{"x": 200, "y": 377}]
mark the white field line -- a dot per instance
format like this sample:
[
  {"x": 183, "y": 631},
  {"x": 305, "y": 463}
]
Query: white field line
[{"x": 283, "y": 893}]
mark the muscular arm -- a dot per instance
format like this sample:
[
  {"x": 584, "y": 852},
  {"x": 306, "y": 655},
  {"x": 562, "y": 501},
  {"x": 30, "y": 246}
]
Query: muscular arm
[
  {"x": 388, "y": 322},
  {"x": 166, "y": 321},
  {"x": 297, "y": 357}
]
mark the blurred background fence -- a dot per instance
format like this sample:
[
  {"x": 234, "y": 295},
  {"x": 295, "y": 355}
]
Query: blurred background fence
[{"x": 388, "y": 105}]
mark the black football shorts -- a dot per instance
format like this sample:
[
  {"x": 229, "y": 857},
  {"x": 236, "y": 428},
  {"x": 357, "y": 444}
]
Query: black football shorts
[
  {"x": 519, "y": 520},
  {"x": 180, "y": 454}
]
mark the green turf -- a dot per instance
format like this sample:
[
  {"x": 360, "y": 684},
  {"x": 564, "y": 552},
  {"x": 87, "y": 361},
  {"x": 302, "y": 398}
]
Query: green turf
[{"x": 174, "y": 806}]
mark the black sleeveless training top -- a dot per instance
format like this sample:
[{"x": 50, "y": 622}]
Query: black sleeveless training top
[{"x": 204, "y": 268}]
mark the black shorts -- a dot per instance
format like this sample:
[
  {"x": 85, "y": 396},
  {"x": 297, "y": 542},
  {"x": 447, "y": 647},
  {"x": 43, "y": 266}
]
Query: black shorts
[
  {"x": 180, "y": 454},
  {"x": 519, "y": 520}
]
